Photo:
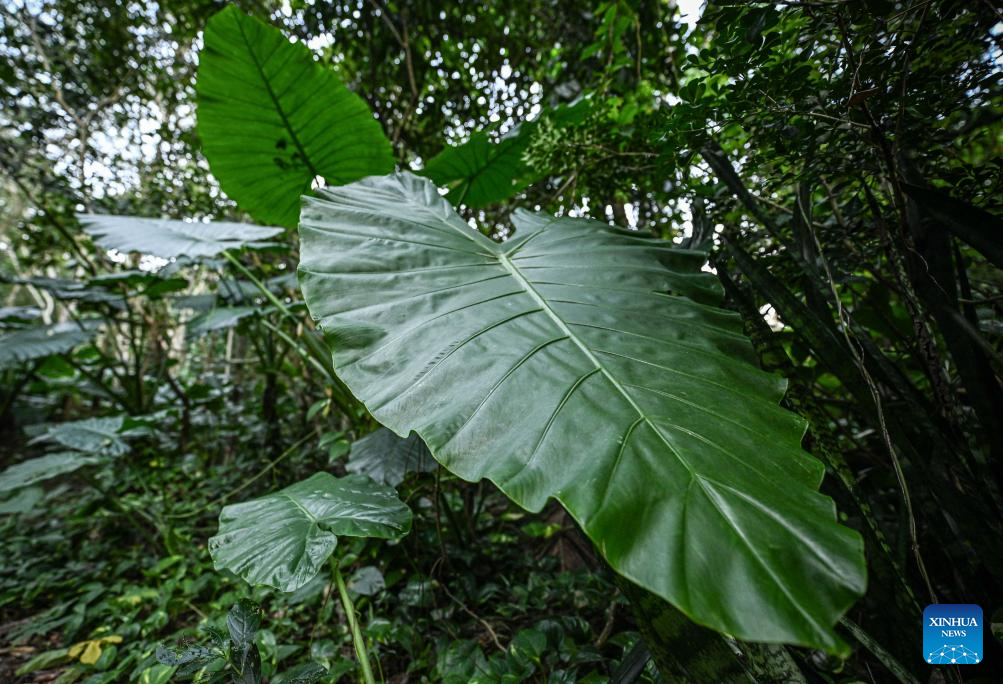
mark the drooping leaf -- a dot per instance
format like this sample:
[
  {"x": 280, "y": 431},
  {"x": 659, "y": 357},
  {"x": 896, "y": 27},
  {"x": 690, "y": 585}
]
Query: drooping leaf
[
  {"x": 73, "y": 290},
  {"x": 247, "y": 661},
  {"x": 96, "y": 436},
  {"x": 221, "y": 318},
  {"x": 88, "y": 652},
  {"x": 283, "y": 539},
  {"x": 167, "y": 238},
  {"x": 44, "y": 468},
  {"x": 29, "y": 344},
  {"x": 272, "y": 119},
  {"x": 44, "y": 661},
  {"x": 387, "y": 458},
  {"x": 591, "y": 365},
  {"x": 15, "y": 316}
]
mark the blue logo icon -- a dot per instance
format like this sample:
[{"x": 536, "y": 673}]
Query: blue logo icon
[{"x": 952, "y": 634}]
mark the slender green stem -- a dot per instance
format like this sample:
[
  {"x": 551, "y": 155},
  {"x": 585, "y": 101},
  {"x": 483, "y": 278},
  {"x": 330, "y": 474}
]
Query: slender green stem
[
  {"x": 268, "y": 294},
  {"x": 316, "y": 349},
  {"x": 357, "y": 639}
]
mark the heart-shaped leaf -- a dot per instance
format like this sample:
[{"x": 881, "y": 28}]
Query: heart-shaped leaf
[
  {"x": 283, "y": 539},
  {"x": 480, "y": 172},
  {"x": 591, "y": 365},
  {"x": 242, "y": 622},
  {"x": 272, "y": 119}
]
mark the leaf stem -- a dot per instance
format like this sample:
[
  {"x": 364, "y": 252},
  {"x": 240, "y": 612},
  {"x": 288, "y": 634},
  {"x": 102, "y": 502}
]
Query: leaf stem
[
  {"x": 316, "y": 350},
  {"x": 357, "y": 639}
]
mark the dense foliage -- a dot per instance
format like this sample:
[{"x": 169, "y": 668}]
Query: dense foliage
[{"x": 524, "y": 341}]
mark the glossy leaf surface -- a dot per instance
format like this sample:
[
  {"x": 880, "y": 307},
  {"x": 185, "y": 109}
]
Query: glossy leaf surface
[
  {"x": 387, "y": 458},
  {"x": 272, "y": 119},
  {"x": 283, "y": 539},
  {"x": 591, "y": 365}
]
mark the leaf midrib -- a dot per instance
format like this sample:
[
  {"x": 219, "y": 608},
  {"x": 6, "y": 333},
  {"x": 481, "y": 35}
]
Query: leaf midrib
[
  {"x": 278, "y": 106},
  {"x": 643, "y": 417},
  {"x": 559, "y": 322}
]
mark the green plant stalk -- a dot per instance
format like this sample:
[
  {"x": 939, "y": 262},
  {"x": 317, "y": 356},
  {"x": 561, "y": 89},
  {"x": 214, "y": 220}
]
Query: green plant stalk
[
  {"x": 313, "y": 346},
  {"x": 357, "y": 639},
  {"x": 339, "y": 398}
]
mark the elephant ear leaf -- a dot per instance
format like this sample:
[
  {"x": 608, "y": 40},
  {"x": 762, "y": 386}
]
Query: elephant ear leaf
[
  {"x": 593, "y": 366},
  {"x": 283, "y": 539},
  {"x": 480, "y": 172},
  {"x": 170, "y": 239},
  {"x": 97, "y": 436},
  {"x": 38, "y": 342},
  {"x": 272, "y": 120},
  {"x": 44, "y": 468},
  {"x": 388, "y": 459}
]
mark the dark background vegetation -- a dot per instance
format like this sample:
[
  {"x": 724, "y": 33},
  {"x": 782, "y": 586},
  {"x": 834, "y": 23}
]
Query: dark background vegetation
[{"x": 840, "y": 159}]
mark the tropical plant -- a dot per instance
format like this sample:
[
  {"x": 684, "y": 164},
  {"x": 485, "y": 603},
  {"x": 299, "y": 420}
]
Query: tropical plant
[
  {"x": 283, "y": 540},
  {"x": 594, "y": 333},
  {"x": 609, "y": 344}
]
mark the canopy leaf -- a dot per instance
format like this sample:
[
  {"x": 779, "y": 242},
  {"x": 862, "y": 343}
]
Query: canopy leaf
[
  {"x": 283, "y": 539},
  {"x": 272, "y": 119},
  {"x": 44, "y": 468},
  {"x": 28, "y": 344},
  {"x": 387, "y": 458},
  {"x": 591, "y": 365},
  {"x": 169, "y": 239},
  {"x": 480, "y": 172}
]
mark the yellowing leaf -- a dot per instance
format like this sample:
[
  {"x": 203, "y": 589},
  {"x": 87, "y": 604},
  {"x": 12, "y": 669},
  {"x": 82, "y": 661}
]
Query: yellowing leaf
[{"x": 89, "y": 651}]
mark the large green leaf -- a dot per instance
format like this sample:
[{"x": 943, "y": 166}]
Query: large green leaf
[
  {"x": 283, "y": 539},
  {"x": 29, "y": 344},
  {"x": 387, "y": 458},
  {"x": 272, "y": 119},
  {"x": 169, "y": 239},
  {"x": 44, "y": 468},
  {"x": 591, "y": 365},
  {"x": 91, "y": 435}
]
